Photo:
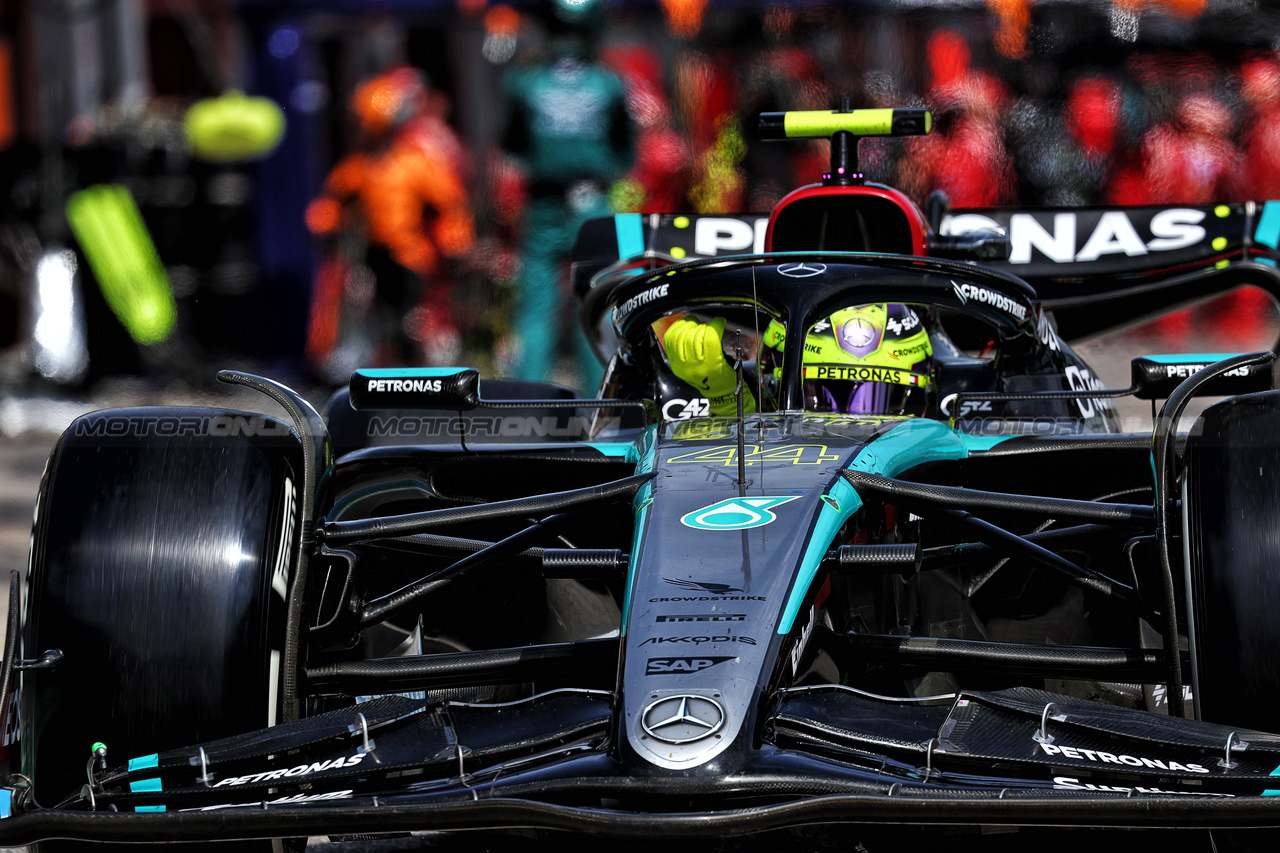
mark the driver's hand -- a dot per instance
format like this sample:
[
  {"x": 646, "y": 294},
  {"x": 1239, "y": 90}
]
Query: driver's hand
[{"x": 696, "y": 353}]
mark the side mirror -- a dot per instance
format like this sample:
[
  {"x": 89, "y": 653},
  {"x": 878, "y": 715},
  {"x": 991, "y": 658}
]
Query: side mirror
[
  {"x": 984, "y": 244},
  {"x": 936, "y": 206},
  {"x": 1156, "y": 376},
  {"x": 455, "y": 388}
]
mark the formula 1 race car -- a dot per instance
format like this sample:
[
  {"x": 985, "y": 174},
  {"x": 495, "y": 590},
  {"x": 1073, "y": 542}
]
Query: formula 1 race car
[{"x": 849, "y": 551}]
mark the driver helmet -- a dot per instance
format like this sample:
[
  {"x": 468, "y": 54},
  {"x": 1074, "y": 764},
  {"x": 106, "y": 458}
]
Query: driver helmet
[{"x": 868, "y": 360}]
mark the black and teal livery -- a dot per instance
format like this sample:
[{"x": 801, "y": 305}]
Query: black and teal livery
[{"x": 483, "y": 610}]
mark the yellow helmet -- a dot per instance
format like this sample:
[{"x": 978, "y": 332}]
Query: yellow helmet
[{"x": 868, "y": 360}]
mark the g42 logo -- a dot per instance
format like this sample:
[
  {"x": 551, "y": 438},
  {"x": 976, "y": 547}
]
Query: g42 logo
[
  {"x": 683, "y": 410},
  {"x": 967, "y": 407},
  {"x": 735, "y": 513}
]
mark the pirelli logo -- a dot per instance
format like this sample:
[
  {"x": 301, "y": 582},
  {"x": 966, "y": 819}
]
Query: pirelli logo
[
  {"x": 702, "y": 617},
  {"x": 863, "y": 373}
]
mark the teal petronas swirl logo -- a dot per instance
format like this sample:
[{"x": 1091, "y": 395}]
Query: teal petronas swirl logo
[{"x": 735, "y": 513}]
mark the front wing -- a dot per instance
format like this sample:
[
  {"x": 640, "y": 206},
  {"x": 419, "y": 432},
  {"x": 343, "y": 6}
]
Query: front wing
[{"x": 831, "y": 755}]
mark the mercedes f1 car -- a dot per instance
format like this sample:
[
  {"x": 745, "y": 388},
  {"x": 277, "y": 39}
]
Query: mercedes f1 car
[{"x": 765, "y": 589}]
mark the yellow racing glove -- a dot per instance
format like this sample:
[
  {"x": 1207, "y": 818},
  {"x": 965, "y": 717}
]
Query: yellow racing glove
[{"x": 696, "y": 353}]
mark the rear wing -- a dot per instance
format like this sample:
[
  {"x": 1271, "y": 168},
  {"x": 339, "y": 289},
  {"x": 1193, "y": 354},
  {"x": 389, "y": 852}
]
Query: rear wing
[
  {"x": 1100, "y": 267},
  {"x": 1095, "y": 268}
]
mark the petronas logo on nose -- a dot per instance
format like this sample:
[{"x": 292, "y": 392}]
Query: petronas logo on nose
[{"x": 735, "y": 513}]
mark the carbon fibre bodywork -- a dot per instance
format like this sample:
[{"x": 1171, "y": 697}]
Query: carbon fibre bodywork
[{"x": 503, "y": 609}]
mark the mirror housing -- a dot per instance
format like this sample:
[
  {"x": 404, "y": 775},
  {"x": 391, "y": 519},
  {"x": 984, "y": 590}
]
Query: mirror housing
[{"x": 1154, "y": 377}]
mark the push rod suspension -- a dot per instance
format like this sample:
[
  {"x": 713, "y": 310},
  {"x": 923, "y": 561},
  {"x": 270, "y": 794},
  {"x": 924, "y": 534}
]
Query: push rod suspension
[
  {"x": 341, "y": 532},
  {"x": 1012, "y": 543},
  {"x": 382, "y": 608},
  {"x": 1116, "y": 664},
  {"x": 976, "y": 500}
]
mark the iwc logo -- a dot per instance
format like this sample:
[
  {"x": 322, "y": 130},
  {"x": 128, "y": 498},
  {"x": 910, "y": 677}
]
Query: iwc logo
[
  {"x": 682, "y": 719},
  {"x": 735, "y": 513},
  {"x": 801, "y": 270}
]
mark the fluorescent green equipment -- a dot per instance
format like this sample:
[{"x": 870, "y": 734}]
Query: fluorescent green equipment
[
  {"x": 821, "y": 124},
  {"x": 116, "y": 243},
  {"x": 234, "y": 127},
  {"x": 844, "y": 128}
]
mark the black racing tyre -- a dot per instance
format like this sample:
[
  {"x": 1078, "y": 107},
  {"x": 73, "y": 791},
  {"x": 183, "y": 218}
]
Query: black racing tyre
[
  {"x": 1232, "y": 512},
  {"x": 163, "y": 543}
]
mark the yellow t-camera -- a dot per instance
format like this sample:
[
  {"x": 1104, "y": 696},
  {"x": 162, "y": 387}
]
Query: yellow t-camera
[{"x": 814, "y": 124}]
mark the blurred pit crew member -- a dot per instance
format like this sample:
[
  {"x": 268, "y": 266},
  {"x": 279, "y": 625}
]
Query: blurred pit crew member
[
  {"x": 966, "y": 156},
  {"x": 403, "y": 188},
  {"x": 569, "y": 129}
]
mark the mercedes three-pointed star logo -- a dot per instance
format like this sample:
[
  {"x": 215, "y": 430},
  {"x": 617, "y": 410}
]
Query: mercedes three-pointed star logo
[
  {"x": 802, "y": 269},
  {"x": 683, "y": 718}
]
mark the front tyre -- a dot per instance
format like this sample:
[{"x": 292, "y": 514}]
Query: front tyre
[
  {"x": 162, "y": 548},
  {"x": 1232, "y": 512}
]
